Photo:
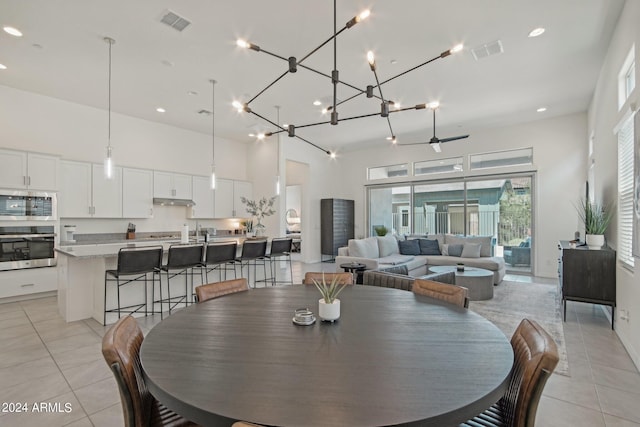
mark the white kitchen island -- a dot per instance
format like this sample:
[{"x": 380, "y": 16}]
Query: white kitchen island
[{"x": 81, "y": 278}]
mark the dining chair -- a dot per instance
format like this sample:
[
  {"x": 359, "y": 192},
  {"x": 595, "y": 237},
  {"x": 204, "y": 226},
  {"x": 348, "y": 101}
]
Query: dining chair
[
  {"x": 341, "y": 278},
  {"x": 121, "y": 350},
  {"x": 134, "y": 265},
  {"x": 535, "y": 358},
  {"x": 218, "y": 289},
  {"x": 280, "y": 249},
  {"x": 453, "y": 294}
]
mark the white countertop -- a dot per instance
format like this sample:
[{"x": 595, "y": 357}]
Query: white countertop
[{"x": 111, "y": 249}]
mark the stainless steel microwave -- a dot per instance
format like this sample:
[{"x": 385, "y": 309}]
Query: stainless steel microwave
[{"x": 23, "y": 205}]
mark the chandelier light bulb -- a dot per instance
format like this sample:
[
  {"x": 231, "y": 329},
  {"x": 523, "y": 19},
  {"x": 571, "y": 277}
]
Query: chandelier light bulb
[
  {"x": 363, "y": 15},
  {"x": 333, "y": 155},
  {"x": 371, "y": 58},
  {"x": 238, "y": 106},
  {"x": 243, "y": 44},
  {"x": 457, "y": 48},
  {"x": 261, "y": 136},
  {"x": 433, "y": 105}
]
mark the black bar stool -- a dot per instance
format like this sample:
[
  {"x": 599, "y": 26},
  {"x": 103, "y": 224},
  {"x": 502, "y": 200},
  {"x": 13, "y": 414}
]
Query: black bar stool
[
  {"x": 134, "y": 265},
  {"x": 253, "y": 253},
  {"x": 280, "y": 248},
  {"x": 181, "y": 261},
  {"x": 221, "y": 257}
]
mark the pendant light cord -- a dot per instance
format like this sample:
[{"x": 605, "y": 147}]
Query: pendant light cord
[{"x": 110, "y": 41}]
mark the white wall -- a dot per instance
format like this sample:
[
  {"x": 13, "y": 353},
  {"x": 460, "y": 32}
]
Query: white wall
[
  {"x": 604, "y": 116},
  {"x": 33, "y": 122},
  {"x": 560, "y": 148}
]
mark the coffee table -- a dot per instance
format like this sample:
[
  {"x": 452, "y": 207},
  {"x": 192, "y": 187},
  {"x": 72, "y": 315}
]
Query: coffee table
[
  {"x": 478, "y": 280},
  {"x": 355, "y": 268}
]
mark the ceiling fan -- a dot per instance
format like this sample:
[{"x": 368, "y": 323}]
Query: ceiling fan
[{"x": 435, "y": 141}]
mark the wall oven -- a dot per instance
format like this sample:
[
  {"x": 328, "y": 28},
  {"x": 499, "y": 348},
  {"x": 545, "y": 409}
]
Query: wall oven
[
  {"x": 27, "y": 247},
  {"x": 21, "y": 205}
]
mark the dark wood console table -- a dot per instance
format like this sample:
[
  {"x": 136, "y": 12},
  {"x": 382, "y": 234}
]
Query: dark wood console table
[{"x": 587, "y": 276}]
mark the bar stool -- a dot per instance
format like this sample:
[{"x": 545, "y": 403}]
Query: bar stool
[
  {"x": 181, "y": 261},
  {"x": 253, "y": 253},
  {"x": 134, "y": 265},
  {"x": 221, "y": 257},
  {"x": 280, "y": 248}
]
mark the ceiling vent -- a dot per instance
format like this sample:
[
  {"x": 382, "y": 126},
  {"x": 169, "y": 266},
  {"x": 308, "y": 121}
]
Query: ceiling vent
[
  {"x": 204, "y": 112},
  {"x": 174, "y": 21},
  {"x": 486, "y": 50}
]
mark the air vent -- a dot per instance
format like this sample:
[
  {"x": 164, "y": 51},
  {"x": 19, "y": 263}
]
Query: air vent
[
  {"x": 204, "y": 112},
  {"x": 486, "y": 50},
  {"x": 174, "y": 21}
]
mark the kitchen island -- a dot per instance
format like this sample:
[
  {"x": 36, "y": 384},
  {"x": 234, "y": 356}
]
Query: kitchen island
[{"x": 81, "y": 276}]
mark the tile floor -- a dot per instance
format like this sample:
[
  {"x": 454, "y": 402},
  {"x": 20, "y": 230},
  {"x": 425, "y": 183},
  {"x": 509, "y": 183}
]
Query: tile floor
[{"x": 45, "y": 360}]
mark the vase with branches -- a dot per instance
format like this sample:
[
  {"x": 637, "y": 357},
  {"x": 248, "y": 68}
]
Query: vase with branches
[{"x": 259, "y": 209}]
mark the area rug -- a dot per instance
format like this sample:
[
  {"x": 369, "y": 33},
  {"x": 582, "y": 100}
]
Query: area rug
[{"x": 513, "y": 301}]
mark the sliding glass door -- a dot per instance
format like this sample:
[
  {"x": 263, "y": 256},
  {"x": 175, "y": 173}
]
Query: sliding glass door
[{"x": 500, "y": 207}]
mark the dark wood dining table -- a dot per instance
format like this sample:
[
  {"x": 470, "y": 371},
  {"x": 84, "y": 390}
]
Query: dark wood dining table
[{"x": 393, "y": 358}]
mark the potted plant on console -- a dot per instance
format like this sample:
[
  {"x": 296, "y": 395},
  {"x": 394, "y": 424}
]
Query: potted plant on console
[
  {"x": 329, "y": 304},
  {"x": 259, "y": 209},
  {"x": 596, "y": 218}
]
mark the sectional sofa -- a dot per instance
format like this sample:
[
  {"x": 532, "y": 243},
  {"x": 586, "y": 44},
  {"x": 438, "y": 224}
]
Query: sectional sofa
[{"x": 419, "y": 252}]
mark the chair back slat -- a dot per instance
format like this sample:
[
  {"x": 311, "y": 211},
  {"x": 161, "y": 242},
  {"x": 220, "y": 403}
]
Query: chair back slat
[
  {"x": 139, "y": 260},
  {"x": 185, "y": 256},
  {"x": 341, "y": 278},
  {"x": 254, "y": 249},
  {"x": 218, "y": 253},
  {"x": 218, "y": 289},
  {"x": 453, "y": 294}
]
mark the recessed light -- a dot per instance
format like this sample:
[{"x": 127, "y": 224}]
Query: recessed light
[
  {"x": 167, "y": 63},
  {"x": 13, "y": 31},
  {"x": 393, "y": 61},
  {"x": 160, "y": 110},
  {"x": 37, "y": 46},
  {"x": 536, "y": 32},
  {"x": 541, "y": 109},
  {"x": 317, "y": 103},
  {"x": 3, "y": 67},
  {"x": 192, "y": 93}
]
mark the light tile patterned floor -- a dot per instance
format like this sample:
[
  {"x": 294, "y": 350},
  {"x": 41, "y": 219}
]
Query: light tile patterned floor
[{"x": 44, "y": 359}]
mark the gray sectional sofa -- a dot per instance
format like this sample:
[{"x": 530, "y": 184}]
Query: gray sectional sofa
[{"x": 379, "y": 253}]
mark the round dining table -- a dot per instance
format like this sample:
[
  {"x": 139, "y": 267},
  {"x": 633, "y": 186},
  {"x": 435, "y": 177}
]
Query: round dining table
[{"x": 392, "y": 358}]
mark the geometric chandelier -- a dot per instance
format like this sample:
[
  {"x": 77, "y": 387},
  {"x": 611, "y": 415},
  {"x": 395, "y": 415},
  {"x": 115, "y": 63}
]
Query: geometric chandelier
[{"x": 387, "y": 106}]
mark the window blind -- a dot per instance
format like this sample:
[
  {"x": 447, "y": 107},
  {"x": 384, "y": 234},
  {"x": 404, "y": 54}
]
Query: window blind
[{"x": 625, "y": 192}]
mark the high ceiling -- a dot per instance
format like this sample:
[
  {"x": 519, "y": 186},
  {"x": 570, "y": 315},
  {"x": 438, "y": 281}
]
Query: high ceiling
[{"x": 62, "y": 54}]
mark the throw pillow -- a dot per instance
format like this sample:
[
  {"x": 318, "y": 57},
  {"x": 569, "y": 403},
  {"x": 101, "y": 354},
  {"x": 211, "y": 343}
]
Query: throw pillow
[
  {"x": 364, "y": 248},
  {"x": 454, "y": 250},
  {"x": 388, "y": 245},
  {"x": 409, "y": 247},
  {"x": 429, "y": 247},
  {"x": 471, "y": 250}
]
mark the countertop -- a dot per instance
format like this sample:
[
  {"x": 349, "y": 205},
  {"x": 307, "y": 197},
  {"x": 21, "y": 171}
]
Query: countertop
[{"x": 98, "y": 250}]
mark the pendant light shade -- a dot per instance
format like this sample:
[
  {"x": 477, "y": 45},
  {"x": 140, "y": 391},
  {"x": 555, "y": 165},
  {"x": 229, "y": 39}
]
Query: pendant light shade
[
  {"x": 213, "y": 134},
  {"x": 108, "y": 161},
  {"x": 278, "y": 155}
]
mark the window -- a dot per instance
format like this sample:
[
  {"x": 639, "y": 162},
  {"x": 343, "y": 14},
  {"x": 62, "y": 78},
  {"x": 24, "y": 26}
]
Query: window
[
  {"x": 625, "y": 192},
  {"x": 438, "y": 166},
  {"x": 384, "y": 172},
  {"x": 627, "y": 78},
  {"x": 498, "y": 159}
]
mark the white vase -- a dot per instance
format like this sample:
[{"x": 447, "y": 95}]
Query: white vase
[
  {"x": 595, "y": 241},
  {"x": 329, "y": 312}
]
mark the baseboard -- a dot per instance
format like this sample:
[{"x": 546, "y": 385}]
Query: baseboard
[
  {"x": 28, "y": 297},
  {"x": 635, "y": 358}
]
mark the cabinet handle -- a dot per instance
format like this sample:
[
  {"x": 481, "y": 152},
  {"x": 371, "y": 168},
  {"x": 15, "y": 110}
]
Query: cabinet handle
[
  {"x": 28, "y": 180},
  {"x": 24, "y": 180},
  {"x": 26, "y": 285}
]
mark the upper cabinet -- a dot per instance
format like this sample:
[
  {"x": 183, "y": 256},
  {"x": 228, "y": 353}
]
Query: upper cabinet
[
  {"x": 227, "y": 198},
  {"x": 34, "y": 171},
  {"x": 85, "y": 192},
  {"x": 203, "y": 196},
  {"x": 172, "y": 185},
  {"x": 137, "y": 193}
]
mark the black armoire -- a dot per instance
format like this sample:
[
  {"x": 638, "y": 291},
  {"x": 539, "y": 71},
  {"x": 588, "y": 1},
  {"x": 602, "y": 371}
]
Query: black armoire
[{"x": 336, "y": 225}]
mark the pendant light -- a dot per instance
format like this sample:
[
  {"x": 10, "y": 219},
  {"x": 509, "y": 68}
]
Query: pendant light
[
  {"x": 213, "y": 135},
  {"x": 278, "y": 155},
  {"x": 108, "y": 161}
]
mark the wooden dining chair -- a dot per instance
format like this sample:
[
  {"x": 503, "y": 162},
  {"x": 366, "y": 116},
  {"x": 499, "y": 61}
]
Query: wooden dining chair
[
  {"x": 121, "y": 349},
  {"x": 453, "y": 294},
  {"x": 341, "y": 278},
  {"x": 218, "y": 289},
  {"x": 535, "y": 358}
]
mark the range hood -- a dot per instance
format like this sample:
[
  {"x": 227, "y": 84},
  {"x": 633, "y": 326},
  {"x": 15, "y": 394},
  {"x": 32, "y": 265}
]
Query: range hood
[{"x": 173, "y": 202}]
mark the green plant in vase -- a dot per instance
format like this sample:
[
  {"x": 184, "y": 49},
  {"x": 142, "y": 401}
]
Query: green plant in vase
[
  {"x": 329, "y": 304},
  {"x": 381, "y": 230},
  {"x": 596, "y": 218}
]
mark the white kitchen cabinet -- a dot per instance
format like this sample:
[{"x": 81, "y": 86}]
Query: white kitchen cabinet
[
  {"x": 203, "y": 196},
  {"x": 74, "y": 198},
  {"x": 241, "y": 189},
  {"x": 227, "y": 198},
  {"x": 106, "y": 194},
  {"x": 137, "y": 193},
  {"x": 85, "y": 192},
  {"x": 170, "y": 185},
  {"x": 23, "y": 170},
  {"x": 28, "y": 281}
]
